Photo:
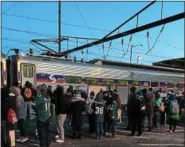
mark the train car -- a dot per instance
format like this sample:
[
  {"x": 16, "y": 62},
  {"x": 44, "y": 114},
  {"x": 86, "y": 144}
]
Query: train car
[{"x": 87, "y": 76}]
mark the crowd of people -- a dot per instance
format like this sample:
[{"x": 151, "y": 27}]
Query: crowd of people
[
  {"x": 149, "y": 104},
  {"x": 103, "y": 111}
]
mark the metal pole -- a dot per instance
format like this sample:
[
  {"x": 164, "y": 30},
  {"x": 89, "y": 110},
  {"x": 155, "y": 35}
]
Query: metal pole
[
  {"x": 126, "y": 33},
  {"x": 59, "y": 26},
  {"x": 137, "y": 59},
  {"x": 131, "y": 53},
  {"x": 151, "y": 3}
]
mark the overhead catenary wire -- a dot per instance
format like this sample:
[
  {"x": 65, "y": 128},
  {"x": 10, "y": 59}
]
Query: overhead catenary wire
[
  {"x": 83, "y": 19},
  {"x": 10, "y": 8},
  {"x": 65, "y": 23},
  {"x": 162, "y": 28}
]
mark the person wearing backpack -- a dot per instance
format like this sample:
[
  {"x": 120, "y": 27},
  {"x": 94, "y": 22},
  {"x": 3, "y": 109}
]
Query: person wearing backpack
[
  {"x": 5, "y": 137},
  {"x": 10, "y": 113},
  {"x": 89, "y": 112},
  {"x": 172, "y": 112},
  {"x": 98, "y": 111}
]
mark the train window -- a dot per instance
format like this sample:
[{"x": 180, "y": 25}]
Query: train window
[{"x": 28, "y": 71}]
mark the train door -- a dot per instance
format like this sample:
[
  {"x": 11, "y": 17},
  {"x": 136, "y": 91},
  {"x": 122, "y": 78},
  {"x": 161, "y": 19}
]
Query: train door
[{"x": 28, "y": 72}]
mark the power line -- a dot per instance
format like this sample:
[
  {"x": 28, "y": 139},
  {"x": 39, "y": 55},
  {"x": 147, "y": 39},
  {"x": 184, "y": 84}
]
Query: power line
[
  {"x": 10, "y": 7},
  {"x": 92, "y": 28},
  {"x": 83, "y": 18}
]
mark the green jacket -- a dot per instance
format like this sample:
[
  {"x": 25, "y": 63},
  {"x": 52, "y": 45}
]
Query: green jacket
[{"x": 42, "y": 109}]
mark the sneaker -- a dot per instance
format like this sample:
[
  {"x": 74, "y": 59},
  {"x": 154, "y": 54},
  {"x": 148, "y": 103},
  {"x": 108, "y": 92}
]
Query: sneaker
[
  {"x": 56, "y": 137},
  {"x": 59, "y": 141},
  {"x": 19, "y": 139},
  {"x": 101, "y": 137},
  {"x": 24, "y": 139},
  {"x": 170, "y": 131}
]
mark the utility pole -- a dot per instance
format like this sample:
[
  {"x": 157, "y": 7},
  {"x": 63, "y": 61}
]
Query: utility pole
[{"x": 59, "y": 26}]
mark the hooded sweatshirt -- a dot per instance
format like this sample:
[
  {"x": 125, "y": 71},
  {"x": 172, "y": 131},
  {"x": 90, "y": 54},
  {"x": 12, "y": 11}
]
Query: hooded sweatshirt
[
  {"x": 20, "y": 105},
  {"x": 42, "y": 105}
]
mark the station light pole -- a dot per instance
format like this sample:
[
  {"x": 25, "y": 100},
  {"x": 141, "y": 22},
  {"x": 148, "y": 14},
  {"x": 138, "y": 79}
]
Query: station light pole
[
  {"x": 132, "y": 46},
  {"x": 138, "y": 58}
]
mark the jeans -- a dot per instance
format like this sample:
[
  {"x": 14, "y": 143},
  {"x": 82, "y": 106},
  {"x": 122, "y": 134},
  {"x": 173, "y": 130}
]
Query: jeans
[
  {"x": 114, "y": 125},
  {"x": 21, "y": 127},
  {"x": 61, "y": 120},
  {"x": 155, "y": 119},
  {"x": 172, "y": 123},
  {"x": 91, "y": 123},
  {"x": 107, "y": 125},
  {"x": 43, "y": 132},
  {"x": 136, "y": 125},
  {"x": 29, "y": 111},
  {"x": 162, "y": 118},
  {"x": 99, "y": 129},
  {"x": 150, "y": 118}
]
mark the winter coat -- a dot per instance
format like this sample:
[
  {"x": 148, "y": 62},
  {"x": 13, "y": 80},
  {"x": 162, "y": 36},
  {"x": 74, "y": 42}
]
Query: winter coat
[
  {"x": 129, "y": 106},
  {"x": 62, "y": 104},
  {"x": 77, "y": 108},
  {"x": 42, "y": 105},
  {"x": 9, "y": 103},
  {"x": 89, "y": 103},
  {"x": 20, "y": 105},
  {"x": 150, "y": 102}
]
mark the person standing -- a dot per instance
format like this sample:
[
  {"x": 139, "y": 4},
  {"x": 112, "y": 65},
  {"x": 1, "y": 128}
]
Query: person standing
[
  {"x": 77, "y": 108},
  {"x": 42, "y": 116},
  {"x": 5, "y": 137},
  {"x": 90, "y": 113},
  {"x": 98, "y": 111},
  {"x": 150, "y": 101},
  {"x": 21, "y": 115},
  {"x": 9, "y": 112},
  {"x": 135, "y": 112},
  {"x": 173, "y": 112},
  {"x": 157, "y": 104},
  {"x": 62, "y": 108}
]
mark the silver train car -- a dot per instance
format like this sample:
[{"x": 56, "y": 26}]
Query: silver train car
[
  {"x": 53, "y": 71},
  {"x": 87, "y": 76}
]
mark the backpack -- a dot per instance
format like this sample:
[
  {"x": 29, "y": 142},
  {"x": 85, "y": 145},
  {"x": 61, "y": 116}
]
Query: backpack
[
  {"x": 174, "y": 107},
  {"x": 12, "y": 116},
  {"x": 27, "y": 93}
]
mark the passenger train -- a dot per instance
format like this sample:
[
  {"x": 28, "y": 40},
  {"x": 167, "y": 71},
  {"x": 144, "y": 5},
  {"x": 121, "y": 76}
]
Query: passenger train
[{"x": 55, "y": 71}]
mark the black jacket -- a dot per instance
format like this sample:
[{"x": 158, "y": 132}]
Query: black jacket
[
  {"x": 62, "y": 105},
  {"x": 77, "y": 107}
]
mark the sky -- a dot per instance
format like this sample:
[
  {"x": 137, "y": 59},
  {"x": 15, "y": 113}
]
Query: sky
[{"x": 24, "y": 21}]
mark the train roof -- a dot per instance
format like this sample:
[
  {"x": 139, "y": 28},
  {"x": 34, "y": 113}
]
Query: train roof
[{"x": 132, "y": 65}]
